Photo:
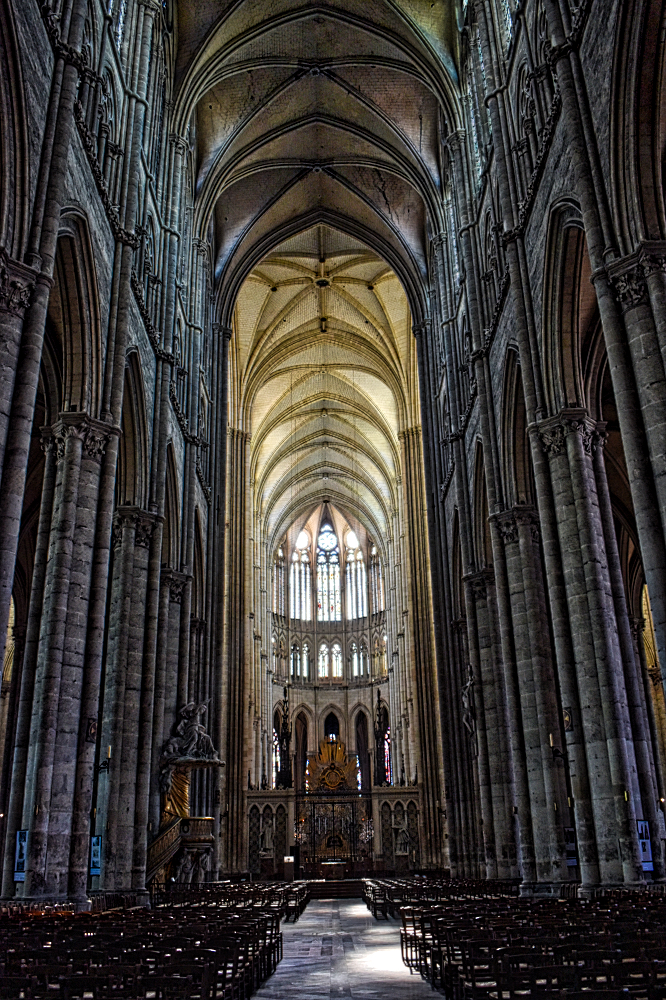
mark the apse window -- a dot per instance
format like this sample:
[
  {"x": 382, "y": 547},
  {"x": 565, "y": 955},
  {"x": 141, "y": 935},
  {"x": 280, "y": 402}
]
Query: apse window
[
  {"x": 329, "y": 604},
  {"x": 356, "y": 583},
  {"x": 300, "y": 580}
]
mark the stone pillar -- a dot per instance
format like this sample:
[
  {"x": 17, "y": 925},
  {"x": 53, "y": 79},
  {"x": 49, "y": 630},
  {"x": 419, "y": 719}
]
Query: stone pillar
[
  {"x": 25, "y": 707},
  {"x": 568, "y": 442}
]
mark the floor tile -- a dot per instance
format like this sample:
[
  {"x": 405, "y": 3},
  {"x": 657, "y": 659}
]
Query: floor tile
[{"x": 337, "y": 949}]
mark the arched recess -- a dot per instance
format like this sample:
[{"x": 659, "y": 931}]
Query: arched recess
[
  {"x": 14, "y": 118},
  {"x": 198, "y": 571},
  {"x": 570, "y": 309},
  {"x": 331, "y": 725},
  {"x": 482, "y": 538},
  {"x": 132, "y": 474},
  {"x": 301, "y": 745},
  {"x": 517, "y": 461},
  {"x": 363, "y": 749},
  {"x": 583, "y": 382},
  {"x": 170, "y": 535},
  {"x": 638, "y": 124},
  {"x": 73, "y": 313}
]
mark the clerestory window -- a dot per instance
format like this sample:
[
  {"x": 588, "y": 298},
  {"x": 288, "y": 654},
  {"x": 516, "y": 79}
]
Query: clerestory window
[
  {"x": 300, "y": 580},
  {"x": 329, "y": 604},
  {"x": 355, "y": 578}
]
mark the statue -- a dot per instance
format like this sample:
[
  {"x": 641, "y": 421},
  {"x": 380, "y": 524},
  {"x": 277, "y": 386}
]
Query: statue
[
  {"x": 190, "y": 748},
  {"x": 191, "y": 739},
  {"x": 467, "y": 694},
  {"x": 201, "y": 866},
  {"x": 267, "y": 837}
]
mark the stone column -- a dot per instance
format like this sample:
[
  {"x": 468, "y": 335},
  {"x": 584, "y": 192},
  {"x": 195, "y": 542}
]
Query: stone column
[
  {"x": 24, "y": 719},
  {"x": 568, "y": 441},
  {"x": 113, "y": 711},
  {"x": 17, "y": 284}
]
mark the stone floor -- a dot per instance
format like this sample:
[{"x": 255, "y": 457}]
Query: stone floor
[{"x": 337, "y": 949}]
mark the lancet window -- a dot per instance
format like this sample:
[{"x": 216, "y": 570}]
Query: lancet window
[
  {"x": 305, "y": 661},
  {"x": 278, "y": 583},
  {"x": 329, "y": 603},
  {"x": 336, "y": 658},
  {"x": 300, "y": 580},
  {"x": 355, "y": 578},
  {"x": 295, "y": 667},
  {"x": 323, "y": 660},
  {"x": 376, "y": 581}
]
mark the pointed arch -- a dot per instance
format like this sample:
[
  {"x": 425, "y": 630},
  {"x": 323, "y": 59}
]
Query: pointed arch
[
  {"x": 517, "y": 461},
  {"x": 14, "y": 201},
  {"x": 74, "y": 317},
  {"x": 132, "y": 476},
  {"x": 482, "y": 539},
  {"x": 171, "y": 531}
]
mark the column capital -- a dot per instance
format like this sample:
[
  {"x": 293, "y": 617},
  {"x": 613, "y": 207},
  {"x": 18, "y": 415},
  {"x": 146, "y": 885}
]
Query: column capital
[
  {"x": 17, "y": 283},
  {"x": 507, "y": 526},
  {"x": 574, "y": 420},
  {"x": 93, "y": 433},
  {"x": 421, "y": 328}
]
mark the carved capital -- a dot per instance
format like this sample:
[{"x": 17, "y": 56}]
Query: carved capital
[
  {"x": 653, "y": 263},
  {"x": 527, "y": 516},
  {"x": 124, "y": 519},
  {"x": 176, "y": 583},
  {"x": 628, "y": 280},
  {"x": 179, "y": 143},
  {"x": 145, "y": 525},
  {"x": 479, "y": 583},
  {"x": 17, "y": 283},
  {"x": 552, "y": 439},
  {"x": 455, "y": 140},
  {"x": 507, "y": 527},
  {"x": 419, "y": 329}
]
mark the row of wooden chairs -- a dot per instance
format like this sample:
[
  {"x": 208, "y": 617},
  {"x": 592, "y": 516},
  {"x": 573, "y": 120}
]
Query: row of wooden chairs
[
  {"x": 486, "y": 946},
  {"x": 202, "y": 948}
]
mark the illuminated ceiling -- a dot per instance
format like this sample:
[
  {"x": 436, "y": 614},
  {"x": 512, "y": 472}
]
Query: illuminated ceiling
[{"x": 325, "y": 358}]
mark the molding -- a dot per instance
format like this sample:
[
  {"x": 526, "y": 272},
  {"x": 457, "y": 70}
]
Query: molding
[{"x": 89, "y": 141}]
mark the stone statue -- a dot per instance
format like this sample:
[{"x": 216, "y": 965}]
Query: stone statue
[
  {"x": 201, "y": 866},
  {"x": 190, "y": 748},
  {"x": 267, "y": 837},
  {"x": 191, "y": 738},
  {"x": 467, "y": 694}
]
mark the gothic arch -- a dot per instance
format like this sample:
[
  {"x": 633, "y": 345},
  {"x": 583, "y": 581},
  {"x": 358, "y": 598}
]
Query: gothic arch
[
  {"x": 638, "y": 123},
  {"x": 132, "y": 474},
  {"x": 73, "y": 314},
  {"x": 482, "y": 540},
  {"x": 171, "y": 533},
  {"x": 14, "y": 119},
  {"x": 569, "y": 302},
  {"x": 516, "y": 458}
]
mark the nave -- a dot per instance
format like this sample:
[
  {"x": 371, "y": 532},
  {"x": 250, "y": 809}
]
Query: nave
[{"x": 337, "y": 949}]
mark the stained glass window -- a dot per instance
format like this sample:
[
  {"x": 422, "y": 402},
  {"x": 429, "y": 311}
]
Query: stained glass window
[
  {"x": 355, "y": 579},
  {"x": 323, "y": 660},
  {"x": 329, "y": 607},
  {"x": 300, "y": 580},
  {"x": 376, "y": 581},
  {"x": 336, "y": 656}
]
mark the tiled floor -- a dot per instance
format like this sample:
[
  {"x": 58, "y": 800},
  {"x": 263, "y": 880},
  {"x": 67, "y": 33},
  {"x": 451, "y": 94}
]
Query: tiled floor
[{"x": 337, "y": 949}]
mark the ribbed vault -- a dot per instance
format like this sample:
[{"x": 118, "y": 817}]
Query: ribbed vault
[
  {"x": 317, "y": 112},
  {"x": 325, "y": 361}
]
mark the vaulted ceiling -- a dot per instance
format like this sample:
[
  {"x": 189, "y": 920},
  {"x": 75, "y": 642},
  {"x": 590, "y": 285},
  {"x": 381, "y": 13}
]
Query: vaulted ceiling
[
  {"x": 316, "y": 111},
  {"x": 317, "y": 128},
  {"x": 324, "y": 373}
]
